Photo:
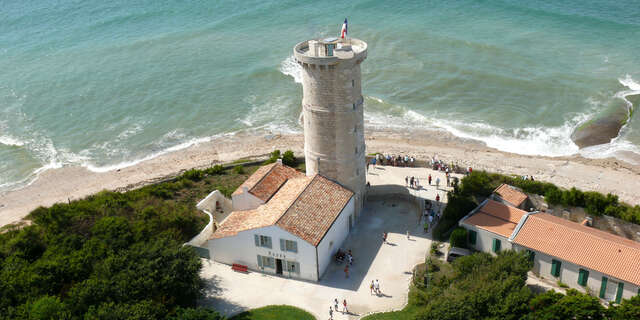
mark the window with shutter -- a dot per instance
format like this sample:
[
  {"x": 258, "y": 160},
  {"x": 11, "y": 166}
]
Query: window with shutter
[
  {"x": 555, "y": 268},
  {"x": 582, "y": 277},
  {"x": 257, "y": 239},
  {"x": 603, "y": 287},
  {"x": 496, "y": 245},
  {"x": 472, "y": 237},
  {"x": 619, "y": 293}
]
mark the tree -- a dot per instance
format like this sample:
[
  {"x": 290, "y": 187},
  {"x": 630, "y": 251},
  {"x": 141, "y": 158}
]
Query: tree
[
  {"x": 289, "y": 159},
  {"x": 458, "y": 238},
  {"x": 628, "y": 309},
  {"x": 196, "y": 314},
  {"x": 48, "y": 308},
  {"x": 573, "y": 305}
]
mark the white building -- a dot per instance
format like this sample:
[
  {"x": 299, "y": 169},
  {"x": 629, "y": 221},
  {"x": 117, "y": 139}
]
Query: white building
[
  {"x": 289, "y": 224},
  {"x": 582, "y": 257}
]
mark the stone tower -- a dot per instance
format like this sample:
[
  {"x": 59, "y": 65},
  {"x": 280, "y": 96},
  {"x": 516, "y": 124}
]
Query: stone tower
[{"x": 332, "y": 111}]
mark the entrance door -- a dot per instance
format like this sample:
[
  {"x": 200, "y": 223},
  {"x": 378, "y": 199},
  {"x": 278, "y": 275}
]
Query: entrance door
[
  {"x": 612, "y": 289},
  {"x": 278, "y": 266}
]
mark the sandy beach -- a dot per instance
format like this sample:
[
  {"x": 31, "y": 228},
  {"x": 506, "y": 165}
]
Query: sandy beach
[{"x": 69, "y": 183}]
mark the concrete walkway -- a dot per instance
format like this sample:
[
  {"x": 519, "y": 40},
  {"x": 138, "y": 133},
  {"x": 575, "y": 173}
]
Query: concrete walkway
[{"x": 230, "y": 292}]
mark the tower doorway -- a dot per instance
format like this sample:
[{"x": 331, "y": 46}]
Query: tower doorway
[{"x": 278, "y": 266}]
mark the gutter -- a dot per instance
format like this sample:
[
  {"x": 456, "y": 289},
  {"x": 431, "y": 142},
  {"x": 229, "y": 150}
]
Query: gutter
[
  {"x": 317, "y": 267},
  {"x": 520, "y": 225}
]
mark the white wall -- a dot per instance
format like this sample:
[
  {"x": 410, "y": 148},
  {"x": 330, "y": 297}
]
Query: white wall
[
  {"x": 245, "y": 201},
  {"x": 569, "y": 274},
  {"x": 484, "y": 240},
  {"x": 209, "y": 203},
  {"x": 335, "y": 236},
  {"x": 241, "y": 249}
]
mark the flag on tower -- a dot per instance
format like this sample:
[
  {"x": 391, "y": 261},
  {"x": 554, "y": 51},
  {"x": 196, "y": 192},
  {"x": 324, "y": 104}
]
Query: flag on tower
[{"x": 343, "y": 33}]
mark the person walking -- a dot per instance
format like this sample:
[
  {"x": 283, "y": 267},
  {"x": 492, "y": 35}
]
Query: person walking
[
  {"x": 330, "y": 313},
  {"x": 406, "y": 181},
  {"x": 437, "y": 183},
  {"x": 371, "y": 286},
  {"x": 429, "y": 179},
  {"x": 335, "y": 301},
  {"x": 346, "y": 271},
  {"x": 344, "y": 304},
  {"x": 377, "y": 287},
  {"x": 438, "y": 198},
  {"x": 408, "y": 235},
  {"x": 384, "y": 237}
]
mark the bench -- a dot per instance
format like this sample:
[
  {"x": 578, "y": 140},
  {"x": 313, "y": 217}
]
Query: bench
[{"x": 239, "y": 267}]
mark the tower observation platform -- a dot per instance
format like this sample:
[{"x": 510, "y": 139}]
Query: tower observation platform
[{"x": 332, "y": 111}]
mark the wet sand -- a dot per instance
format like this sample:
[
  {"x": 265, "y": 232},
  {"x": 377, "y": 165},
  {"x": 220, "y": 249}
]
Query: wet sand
[{"x": 68, "y": 183}]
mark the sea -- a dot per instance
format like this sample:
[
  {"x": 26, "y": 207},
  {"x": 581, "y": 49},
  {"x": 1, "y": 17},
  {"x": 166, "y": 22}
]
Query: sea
[{"x": 108, "y": 84}]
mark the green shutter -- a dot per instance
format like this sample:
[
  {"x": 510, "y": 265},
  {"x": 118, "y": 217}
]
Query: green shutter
[
  {"x": 532, "y": 255},
  {"x": 582, "y": 277},
  {"x": 282, "y": 246},
  {"x": 555, "y": 268},
  {"x": 619, "y": 293},
  {"x": 603, "y": 287},
  {"x": 257, "y": 239},
  {"x": 260, "y": 261},
  {"x": 472, "y": 237},
  {"x": 496, "y": 245}
]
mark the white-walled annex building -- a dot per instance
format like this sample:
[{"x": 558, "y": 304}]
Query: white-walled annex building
[
  {"x": 580, "y": 256},
  {"x": 284, "y": 223}
]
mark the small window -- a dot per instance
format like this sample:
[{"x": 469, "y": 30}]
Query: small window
[
  {"x": 356, "y": 150},
  {"x": 293, "y": 267},
  {"x": 583, "y": 276},
  {"x": 353, "y": 83},
  {"x": 354, "y": 107},
  {"x": 472, "y": 237},
  {"x": 496, "y": 245},
  {"x": 357, "y": 171},
  {"x": 266, "y": 262},
  {"x": 555, "y": 268},
  {"x": 262, "y": 241}
]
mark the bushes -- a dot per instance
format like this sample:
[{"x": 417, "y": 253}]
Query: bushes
[
  {"x": 288, "y": 159},
  {"x": 458, "y": 206},
  {"x": 273, "y": 157},
  {"x": 217, "y": 169},
  {"x": 238, "y": 169},
  {"x": 193, "y": 175},
  {"x": 458, "y": 238}
]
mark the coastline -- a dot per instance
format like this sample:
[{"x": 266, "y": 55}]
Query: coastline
[{"x": 70, "y": 183}]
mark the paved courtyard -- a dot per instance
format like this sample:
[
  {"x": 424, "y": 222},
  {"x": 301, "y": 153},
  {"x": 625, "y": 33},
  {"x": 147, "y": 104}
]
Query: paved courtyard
[{"x": 388, "y": 209}]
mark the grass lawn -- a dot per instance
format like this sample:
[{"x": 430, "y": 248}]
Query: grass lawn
[{"x": 274, "y": 313}]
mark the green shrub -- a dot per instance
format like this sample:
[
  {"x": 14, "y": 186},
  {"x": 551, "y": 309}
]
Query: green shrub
[
  {"x": 216, "y": 169},
  {"x": 458, "y": 238},
  {"x": 193, "y": 175},
  {"x": 458, "y": 206},
  {"x": 273, "y": 157},
  {"x": 238, "y": 169},
  {"x": 289, "y": 159},
  {"x": 573, "y": 197},
  {"x": 553, "y": 196}
]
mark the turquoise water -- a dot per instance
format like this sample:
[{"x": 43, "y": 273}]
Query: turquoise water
[{"x": 104, "y": 84}]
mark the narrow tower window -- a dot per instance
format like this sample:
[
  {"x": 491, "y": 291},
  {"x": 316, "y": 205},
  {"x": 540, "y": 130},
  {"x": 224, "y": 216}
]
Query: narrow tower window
[
  {"x": 353, "y": 83},
  {"x": 356, "y": 150},
  {"x": 354, "y": 107}
]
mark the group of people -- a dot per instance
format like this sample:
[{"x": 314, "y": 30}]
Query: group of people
[
  {"x": 394, "y": 160},
  {"x": 335, "y": 307},
  {"x": 375, "y": 287},
  {"x": 451, "y": 167},
  {"x": 412, "y": 182}
]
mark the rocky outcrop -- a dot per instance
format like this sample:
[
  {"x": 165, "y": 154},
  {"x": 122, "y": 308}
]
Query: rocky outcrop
[{"x": 605, "y": 126}]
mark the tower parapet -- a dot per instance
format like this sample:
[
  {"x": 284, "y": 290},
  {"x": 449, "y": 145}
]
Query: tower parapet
[{"x": 332, "y": 109}]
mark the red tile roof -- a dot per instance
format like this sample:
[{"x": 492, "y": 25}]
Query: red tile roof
[
  {"x": 510, "y": 194},
  {"x": 585, "y": 246},
  {"x": 266, "y": 181},
  {"x": 315, "y": 210},
  {"x": 496, "y": 217},
  {"x": 266, "y": 214},
  {"x": 304, "y": 206}
]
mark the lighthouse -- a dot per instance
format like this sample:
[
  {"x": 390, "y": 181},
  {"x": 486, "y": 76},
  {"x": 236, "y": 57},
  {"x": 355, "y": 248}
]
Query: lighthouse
[{"x": 332, "y": 111}]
